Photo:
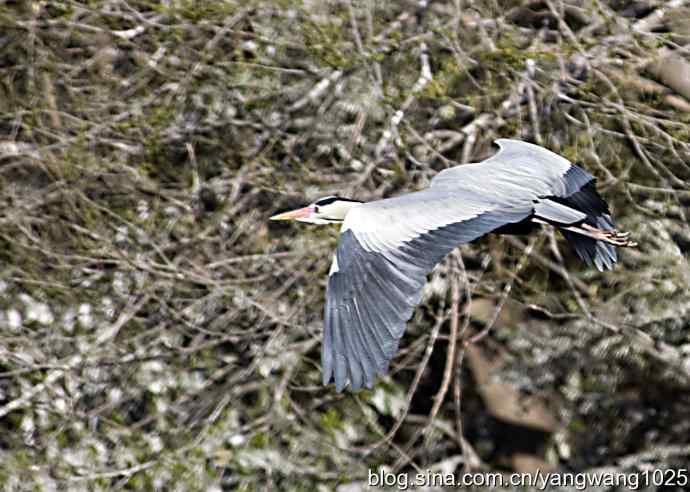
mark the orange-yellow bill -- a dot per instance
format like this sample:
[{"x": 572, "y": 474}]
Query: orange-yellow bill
[{"x": 293, "y": 214}]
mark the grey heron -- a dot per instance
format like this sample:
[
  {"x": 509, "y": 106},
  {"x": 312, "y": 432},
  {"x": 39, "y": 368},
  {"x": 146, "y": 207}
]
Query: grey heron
[{"x": 387, "y": 247}]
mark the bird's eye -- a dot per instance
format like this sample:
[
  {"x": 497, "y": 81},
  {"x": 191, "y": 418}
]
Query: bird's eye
[{"x": 316, "y": 209}]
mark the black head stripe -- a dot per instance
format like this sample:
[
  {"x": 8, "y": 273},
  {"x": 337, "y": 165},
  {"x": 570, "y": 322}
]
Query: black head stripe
[
  {"x": 330, "y": 199},
  {"x": 325, "y": 201}
]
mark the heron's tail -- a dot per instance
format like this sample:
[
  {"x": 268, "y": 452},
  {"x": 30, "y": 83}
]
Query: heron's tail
[{"x": 594, "y": 239}]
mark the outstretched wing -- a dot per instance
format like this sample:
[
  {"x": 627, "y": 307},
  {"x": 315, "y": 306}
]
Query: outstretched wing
[
  {"x": 565, "y": 193},
  {"x": 385, "y": 251},
  {"x": 518, "y": 165}
]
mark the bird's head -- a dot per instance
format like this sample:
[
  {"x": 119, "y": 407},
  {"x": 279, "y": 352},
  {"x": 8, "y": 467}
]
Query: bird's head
[{"x": 327, "y": 210}]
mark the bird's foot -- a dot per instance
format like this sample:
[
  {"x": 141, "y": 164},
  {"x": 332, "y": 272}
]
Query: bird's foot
[{"x": 611, "y": 236}]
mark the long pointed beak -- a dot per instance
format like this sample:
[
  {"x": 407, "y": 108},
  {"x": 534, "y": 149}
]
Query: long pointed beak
[{"x": 293, "y": 214}]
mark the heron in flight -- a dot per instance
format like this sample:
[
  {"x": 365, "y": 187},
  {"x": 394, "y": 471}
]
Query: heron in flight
[{"x": 387, "y": 247}]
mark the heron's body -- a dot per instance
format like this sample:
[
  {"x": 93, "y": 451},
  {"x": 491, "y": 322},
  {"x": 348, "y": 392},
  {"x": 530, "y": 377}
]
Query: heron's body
[{"x": 387, "y": 247}]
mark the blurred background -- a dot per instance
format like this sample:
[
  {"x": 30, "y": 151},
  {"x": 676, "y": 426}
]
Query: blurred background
[{"x": 157, "y": 333}]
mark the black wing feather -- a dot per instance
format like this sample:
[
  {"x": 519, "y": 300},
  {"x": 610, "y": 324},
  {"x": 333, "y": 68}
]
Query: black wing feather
[{"x": 582, "y": 195}]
